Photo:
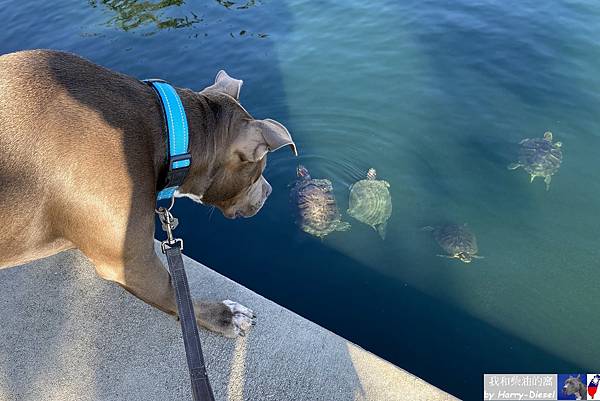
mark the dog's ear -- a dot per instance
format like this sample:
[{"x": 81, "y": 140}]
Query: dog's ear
[
  {"x": 276, "y": 135},
  {"x": 225, "y": 84},
  {"x": 265, "y": 136}
]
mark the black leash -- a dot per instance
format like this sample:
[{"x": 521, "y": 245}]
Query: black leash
[{"x": 172, "y": 247}]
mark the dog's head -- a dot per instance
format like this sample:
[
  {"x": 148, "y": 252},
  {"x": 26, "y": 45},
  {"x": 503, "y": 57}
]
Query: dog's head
[
  {"x": 228, "y": 163},
  {"x": 572, "y": 385}
]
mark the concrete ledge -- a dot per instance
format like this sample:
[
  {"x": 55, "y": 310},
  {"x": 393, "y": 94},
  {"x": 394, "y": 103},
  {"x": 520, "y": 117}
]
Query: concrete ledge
[{"x": 68, "y": 335}]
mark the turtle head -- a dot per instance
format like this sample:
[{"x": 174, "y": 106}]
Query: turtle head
[
  {"x": 464, "y": 257},
  {"x": 371, "y": 174},
  {"x": 302, "y": 172},
  {"x": 548, "y": 136}
]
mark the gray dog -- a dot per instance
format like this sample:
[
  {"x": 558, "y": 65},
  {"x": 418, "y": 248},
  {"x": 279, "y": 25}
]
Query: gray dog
[
  {"x": 574, "y": 385},
  {"x": 81, "y": 151}
]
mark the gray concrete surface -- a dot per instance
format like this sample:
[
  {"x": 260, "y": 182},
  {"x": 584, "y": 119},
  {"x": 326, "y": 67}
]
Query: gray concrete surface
[{"x": 65, "y": 335}]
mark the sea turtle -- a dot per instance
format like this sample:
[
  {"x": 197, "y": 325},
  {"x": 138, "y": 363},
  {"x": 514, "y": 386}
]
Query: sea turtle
[
  {"x": 317, "y": 210},
  {"x": 540, "y": 157},
  {"x": 370, "y": 202},
  {"x": 457, "y": 240}
]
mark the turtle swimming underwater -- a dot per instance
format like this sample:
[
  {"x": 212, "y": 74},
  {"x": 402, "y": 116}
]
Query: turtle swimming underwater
[
  {"x": 539, "y": 157},
  {"x": 370, "y": 202},
  {"x": 317, "y": 210},
  {"x": 457, "y": 240}
]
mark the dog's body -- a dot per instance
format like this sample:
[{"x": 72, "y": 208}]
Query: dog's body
[{"x": 82, "y": 149}]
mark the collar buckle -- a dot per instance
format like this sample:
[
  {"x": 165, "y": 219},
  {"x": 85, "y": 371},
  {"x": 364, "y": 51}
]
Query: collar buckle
[{"x": 176, "y": 172}]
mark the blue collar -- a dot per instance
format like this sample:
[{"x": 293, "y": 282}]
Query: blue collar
[{"x": 178, "y": 158}]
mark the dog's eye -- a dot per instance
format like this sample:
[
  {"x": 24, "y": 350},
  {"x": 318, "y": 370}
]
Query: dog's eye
[{"x": 242, "y": 158}]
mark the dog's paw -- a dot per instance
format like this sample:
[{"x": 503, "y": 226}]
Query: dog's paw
[{"x": 243, "y": 318}]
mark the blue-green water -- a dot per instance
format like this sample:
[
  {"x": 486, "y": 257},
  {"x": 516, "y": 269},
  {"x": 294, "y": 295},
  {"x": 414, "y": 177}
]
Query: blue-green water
[{"x": 436, "y": 96}]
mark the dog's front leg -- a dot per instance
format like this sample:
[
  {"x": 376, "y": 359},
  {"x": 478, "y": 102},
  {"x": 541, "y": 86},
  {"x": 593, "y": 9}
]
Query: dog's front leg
[{"x": 146, "y": 278}]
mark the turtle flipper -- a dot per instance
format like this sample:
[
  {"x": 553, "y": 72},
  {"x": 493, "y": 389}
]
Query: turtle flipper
[
  {"x": 446, "y": 256},
  {"x": 428, "y": 228},
  {"x": 381, "y": 229},
  {"x": 513, "y": 166},
  {"x": 532, "y": 178},
  {"x": 547, "y": 180}
]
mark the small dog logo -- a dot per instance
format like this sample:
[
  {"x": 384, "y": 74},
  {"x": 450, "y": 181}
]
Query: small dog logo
[{"x": 573, "y": 388}]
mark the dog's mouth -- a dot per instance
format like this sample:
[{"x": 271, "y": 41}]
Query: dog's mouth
[
  {"x": 237, "y": 214},
  {"x": 234, "y": 214},
  {"x": 250, "y": 204},
  {"x": 246, "y": 213}
]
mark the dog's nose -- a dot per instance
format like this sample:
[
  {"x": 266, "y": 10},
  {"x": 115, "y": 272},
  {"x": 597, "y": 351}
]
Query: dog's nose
[{"x": 267, "y": 189}]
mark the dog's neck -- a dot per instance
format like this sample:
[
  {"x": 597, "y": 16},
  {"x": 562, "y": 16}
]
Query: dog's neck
[{"x": 202, "y": 126}]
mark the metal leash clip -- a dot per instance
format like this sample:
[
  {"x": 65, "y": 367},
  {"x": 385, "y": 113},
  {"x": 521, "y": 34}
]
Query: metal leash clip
[{"x": 168, "y": 223}]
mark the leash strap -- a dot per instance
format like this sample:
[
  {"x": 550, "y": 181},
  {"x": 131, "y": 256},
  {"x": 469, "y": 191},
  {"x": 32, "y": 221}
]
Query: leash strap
[
  {"x": 179, "y": 161},
  {"x": 178, "y": 158},
  {"x": 201, "y": 389}
]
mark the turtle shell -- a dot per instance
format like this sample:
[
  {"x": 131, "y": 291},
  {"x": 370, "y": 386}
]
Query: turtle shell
[
  {"x": 317, "y": 211},
  {"x": 370, "y": 203},
  {"x": 455, "y": 238},
  {"x": 540, "y": 157}
]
